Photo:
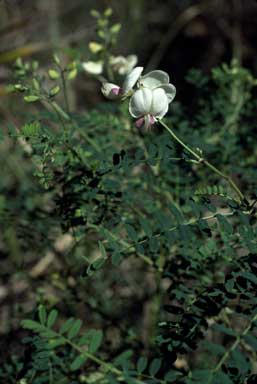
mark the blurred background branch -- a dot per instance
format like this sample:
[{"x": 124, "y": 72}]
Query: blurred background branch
[{"x": 173, "y": 35}]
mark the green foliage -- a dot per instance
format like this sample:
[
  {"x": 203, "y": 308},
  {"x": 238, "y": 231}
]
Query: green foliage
[{"x": 136, "y": 208}]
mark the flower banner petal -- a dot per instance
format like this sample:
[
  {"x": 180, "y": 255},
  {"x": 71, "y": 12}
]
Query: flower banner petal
[
  {"x": 131, "y": 79},
  {"x": 170, "y": 91},
  {"x": 160, "y": 103},
  {"x": 154, "y": 79},
  {"x": 93, "y": 67},
  {"x": 140, "y": 103}
]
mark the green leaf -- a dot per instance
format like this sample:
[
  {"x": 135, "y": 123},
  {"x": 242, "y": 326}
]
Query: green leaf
[
  {"x": 211, "y": 190},
  {"x": 55, "y": 90},
  {"x": 32, "y": 325},
  {"x": 54, "y": 343},
  {"x": 31, "y": 129},
  {"x": 222, "y": 328},
  {"x": 94, "y": 13},
  {"x": 42, "y": 314},
  {"x": 171, "y": 376},
  {"x": 251, "y": 340},
  {"x": 85, "y": 338},
  {"x": 132, "y": 234},
  {"x": 216, "y": 349},
  {"x": 225, "y": 224},
  {"x": 74, "y": 330},
  {"x": 146, "y": 227},
  {"x": 18, "y": 62},
  {"x": 176, "y": 213},
  {"x": 240, "y": 360},
  {"x": 36, "y": 84},
  {"x": 97, "y": 264},
  {"x": 221, "y": 377},
  {"x": 249, "y": 276},
  {"x": 51, "y": 318},
  {"x": 102, "y": 249},
  {"x": 56, "y": 59},
  {"x": 53, "y": 74},
  {"x": 116, "y": 258},
  {"x": 31, "y": 98},
  {"x": 72, "y": 74},
  {"x": 96, "y": 340},
  {"x": 66, "y": 326},
  {"x": 201, "y": 376},
  {"x": 20, "y": 88},
  {"x": 131, "y": 380},
  {"x": 48, "y": 334},
  {"x": 115, "y": 28},
  {"x": 108, "y": 12},
  {"x": 142, "y": 364},
  {"x": 155, "y": 366},
  {"x": 78, "y": 362},
  {"x": 35, "y": 65},
  {"x": 123, "y": 357},
  {"x": 111, "y": 379}
]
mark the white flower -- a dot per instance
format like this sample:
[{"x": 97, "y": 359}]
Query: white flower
[
  {"x": 148, "y": 105},
  {"x": 151, "y": 101},
  {"x": 111, "y": 90},
  {"x": 123, "y": 65},
  {"x": 158, "y": 79},
  {"x": 93, "y": 67},
  {"x": 131, "y": 79}
]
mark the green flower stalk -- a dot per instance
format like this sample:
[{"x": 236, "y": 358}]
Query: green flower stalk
[{"x": 149, "y": 103}]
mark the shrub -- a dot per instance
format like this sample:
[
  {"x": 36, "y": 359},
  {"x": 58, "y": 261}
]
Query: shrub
[{"x": 140, "y": 248}]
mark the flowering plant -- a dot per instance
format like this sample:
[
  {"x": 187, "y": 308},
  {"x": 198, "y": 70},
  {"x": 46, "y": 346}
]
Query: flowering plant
[
  {"x": 150, "y": 101},
  {"x": 131, "y": 227}
]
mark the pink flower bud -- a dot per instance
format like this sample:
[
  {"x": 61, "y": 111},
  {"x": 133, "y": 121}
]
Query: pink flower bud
[{"x": 116, "y": 91}]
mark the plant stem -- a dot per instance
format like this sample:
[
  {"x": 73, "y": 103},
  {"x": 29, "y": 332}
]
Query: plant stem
[
  {"x": 92, "y": 142},
  {"x": 126, "y": 245},
  {"x": 231, "y": 349},
  {"x": 107, "y": 366},
  {"x": 200, "y": 159},
  {"x": 65, "y": 92},
  {"x": 146, "y": 259}
]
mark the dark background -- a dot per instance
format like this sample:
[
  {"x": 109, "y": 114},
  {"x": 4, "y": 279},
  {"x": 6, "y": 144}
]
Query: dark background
[{"x": 173, "y": 35}]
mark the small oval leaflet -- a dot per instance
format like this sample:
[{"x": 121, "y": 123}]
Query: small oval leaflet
[
  {"x": 78, "y": 362},
  {"x": 155, "y": 366},
  {"x": 74, "y": 330}
]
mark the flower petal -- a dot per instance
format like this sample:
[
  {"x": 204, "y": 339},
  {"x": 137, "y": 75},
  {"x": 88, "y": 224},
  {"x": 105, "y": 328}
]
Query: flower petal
[
  {"x": 111, "y": 91},
  {"x": 140, "y": 103},
  {"x": 131, "y": 79},
  {"x": 149, "y": 121},
  {"x": 140, "y": 122},
  {"x": 154, "y": 79},
  {"x": 120, "y": 60},
  {"x": 160, "y": 103},
  {"x": 131, "y": 60},
  {"x": 123, "y": 65},
  {"x": 93, "y": 67},
  {"x": 170, "y": 91},
  {"x": 117, "y": 62}
]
